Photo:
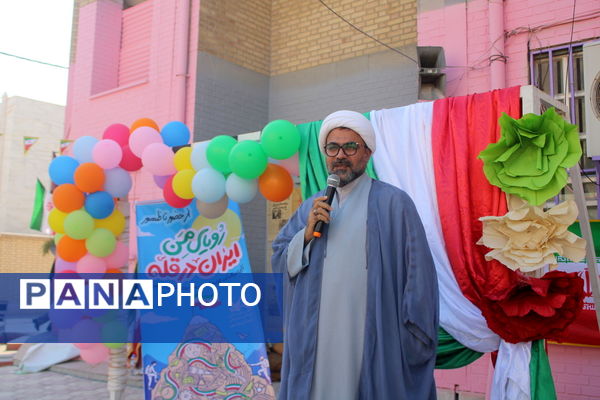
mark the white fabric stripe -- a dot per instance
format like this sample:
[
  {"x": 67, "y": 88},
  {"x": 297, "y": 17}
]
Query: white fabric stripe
[{"x": 404, "y": 159}]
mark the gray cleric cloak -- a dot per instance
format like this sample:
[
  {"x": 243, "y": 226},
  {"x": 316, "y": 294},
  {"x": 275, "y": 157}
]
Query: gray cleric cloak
[{"x": 402, "y": 303}]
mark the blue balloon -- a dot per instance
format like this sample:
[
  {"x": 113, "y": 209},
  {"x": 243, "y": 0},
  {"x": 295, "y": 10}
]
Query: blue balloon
[
  {"x": 82, "y": 148},
  {"x": 117, "y": 182},
  {"x": 175, "y": 133},
  {"x": 62, "y": 168},
  {"x": 99, "y": 205}
]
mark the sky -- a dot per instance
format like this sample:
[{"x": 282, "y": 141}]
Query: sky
[{"x": 38, "y": 30}]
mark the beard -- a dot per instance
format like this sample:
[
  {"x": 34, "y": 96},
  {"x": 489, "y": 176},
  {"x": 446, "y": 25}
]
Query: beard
[{"x": 346, "y": 171}]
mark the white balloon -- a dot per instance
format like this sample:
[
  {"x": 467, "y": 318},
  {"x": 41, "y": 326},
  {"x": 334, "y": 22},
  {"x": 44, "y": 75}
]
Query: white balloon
[
  {"x": 208, "y": 185},
  {"x": 199, "y": 160},
  {"x": 239, "y": 189}
]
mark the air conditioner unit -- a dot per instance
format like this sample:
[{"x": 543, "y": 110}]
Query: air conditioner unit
[{"x": 591, "y": 72}]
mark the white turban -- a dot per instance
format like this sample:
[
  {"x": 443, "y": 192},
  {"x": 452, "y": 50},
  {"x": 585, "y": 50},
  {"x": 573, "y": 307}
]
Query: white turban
[{"x": 348, "y": 119}]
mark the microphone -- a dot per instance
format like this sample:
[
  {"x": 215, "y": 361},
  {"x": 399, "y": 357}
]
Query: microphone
[{"x": 333, "y": 181}]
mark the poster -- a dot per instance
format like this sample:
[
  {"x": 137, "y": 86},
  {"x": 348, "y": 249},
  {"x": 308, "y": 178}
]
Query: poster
[
  {"x": 278, "y": 215},
  {"x": 180, "y": 241},
  {"x": 584, "y": 330}
]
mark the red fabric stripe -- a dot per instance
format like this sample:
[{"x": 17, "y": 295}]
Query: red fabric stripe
[{"x": 462, "y": 128}]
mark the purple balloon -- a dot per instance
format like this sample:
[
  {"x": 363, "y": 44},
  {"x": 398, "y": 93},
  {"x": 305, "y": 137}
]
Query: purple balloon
[{"x": 161, "y": 180}]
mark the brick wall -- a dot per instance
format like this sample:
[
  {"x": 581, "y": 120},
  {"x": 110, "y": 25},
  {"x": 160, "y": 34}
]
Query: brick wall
[
  {"x": 306, "y": 34},
  {"x": 237, "y": 31},
  {"x": 20, "y": 253}
]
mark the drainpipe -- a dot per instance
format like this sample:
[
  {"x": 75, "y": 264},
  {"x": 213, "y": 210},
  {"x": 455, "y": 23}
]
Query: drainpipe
[
  {"x": 182, "y": 37},
  {"x": 496, "y": 39}
]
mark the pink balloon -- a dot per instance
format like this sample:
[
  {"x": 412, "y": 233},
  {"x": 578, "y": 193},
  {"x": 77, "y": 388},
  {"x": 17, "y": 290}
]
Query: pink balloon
[
  {"x": 90, "y": 264},
  {"x": 119, "y": 257},
  {"x": 82, "y": 346},
  {"x": 291, "y": 164},
  {"x": 107, "y": 153},
  {"x": 161, "y": 180},
  {"x": 130, "y": 161},
  {"x": 95, "y": 354},
  {"x": 117, "y": 132},
  {"x": 61, "y": 265},
  {"x": 141, "y": 138},
  {"x": 158, "y": 159}
]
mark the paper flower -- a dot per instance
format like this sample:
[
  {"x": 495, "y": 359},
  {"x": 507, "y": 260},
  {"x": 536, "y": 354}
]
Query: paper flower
[
  {"x": 532, "y": 155},
  {"x": 537, "y": 308},
  {"x": 527, "y": 237}
]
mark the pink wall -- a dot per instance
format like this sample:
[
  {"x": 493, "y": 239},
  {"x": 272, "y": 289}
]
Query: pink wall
[
  {"x": 462, "y": 29},
  {"x": 94, "y": 98}
]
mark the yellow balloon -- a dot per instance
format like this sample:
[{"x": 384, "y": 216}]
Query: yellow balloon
[
  {"x": 115, "y": 222},
  {"x": 183, "y": 159},
  {"x": 182, "y": 183},
  {"x": 56, "y": 220}
]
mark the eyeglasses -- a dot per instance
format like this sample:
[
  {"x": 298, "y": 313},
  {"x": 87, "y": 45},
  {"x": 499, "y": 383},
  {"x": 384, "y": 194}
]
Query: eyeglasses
[{"x": 350, "y": 148}]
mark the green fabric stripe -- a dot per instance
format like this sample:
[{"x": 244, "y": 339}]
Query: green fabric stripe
[
  {"x": 451, "y": 353},
  {"x": 38, "y": 207},
  {"x": 542, "y": 384}
]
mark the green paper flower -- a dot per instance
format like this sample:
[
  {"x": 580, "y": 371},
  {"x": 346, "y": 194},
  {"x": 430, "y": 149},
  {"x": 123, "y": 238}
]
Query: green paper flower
[{"x": 532, "y": 155}]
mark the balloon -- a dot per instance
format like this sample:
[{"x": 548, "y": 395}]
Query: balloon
[
  {"x": 61, "y": 265},
  {"x": 56, "y": 220},
  {"x": 99, "y": 204},
  {"x": 70, "y": 249},
  {"x": 208, "y": 185},
  {"x": 158, "y": 159},
  {"x": 119, "y": 257},
  {"x": 275, "y": 183},
  {"x": 247, "y": 159},
  {"x": 90, "y": 264},
  {"x": 161, "y": 180},
  {"x": 107, "y": 153},
  {"x": 95, "y": 354},
  {"x": 57, "y": 237},
  {"x": 292, "y": 165},
  {"x": 198, "y": 156},
  {"x": 117, "y": 182},
  {"x": 141, "y": 138},
  {"x": 130, "y": 162},
  {"x": 182, "y": 183},
  {"x": 79, "y": 225},
  {"x": 83, "y": 147},
  {"x": 217, "y": 152},
  {"x": 67, "y": 197},
  {"x": 82, "y": 346},
  {"x": 113, "y": 331},
  {"x": 114, "y": 271},
  {"x": 89, "y": 177},
  {"x": 213, "y": 210},
  {"x": 115, "y": 222},
  {"x": 117, "y": 132},
  {"x": 143, "y": 122},
  {"x": 62, "y": 168},
  {"x": 182, "y": 159},
  {"x": 240, "y": 190},
  {"x": 101, "y": 242},
  {"x": 171, "y": 198},
  {"x": 280, "y": 139},
  {"x": 175, "y": 133}
]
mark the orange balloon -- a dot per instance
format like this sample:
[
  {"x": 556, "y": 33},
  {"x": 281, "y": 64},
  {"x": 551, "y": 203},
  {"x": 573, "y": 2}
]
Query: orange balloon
[
  {"x": 275, "y": 183},
  {"x": 89, "y": 177},
  {"x": 114, "y": 271},
  {"x": 70, "y": 249},
  {"x": 143, "y": 122},
  {"x": 67, "y": 198}
]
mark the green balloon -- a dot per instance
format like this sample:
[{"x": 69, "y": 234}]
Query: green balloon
[
  {"x": 217, "y": 152},
  {"x": 79, "y": 224},
  {"x": 57, "y": 238},
  {"x": 101, "y": 242},
  {"x": 280, "y": 139},
  {"x": 114, "y": 330},
  {"x": 248, "y": 159}
]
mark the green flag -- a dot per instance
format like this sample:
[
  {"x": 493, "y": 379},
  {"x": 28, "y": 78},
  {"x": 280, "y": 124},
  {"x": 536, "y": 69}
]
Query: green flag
[{"x": 37, "y": 216}]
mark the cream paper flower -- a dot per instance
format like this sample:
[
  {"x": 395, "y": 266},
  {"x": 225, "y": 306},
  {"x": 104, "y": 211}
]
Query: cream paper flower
[{"x": 527, "y": 237}]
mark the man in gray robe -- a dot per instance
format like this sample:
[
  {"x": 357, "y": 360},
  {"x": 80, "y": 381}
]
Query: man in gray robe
[{"x": 361, "y": 301}]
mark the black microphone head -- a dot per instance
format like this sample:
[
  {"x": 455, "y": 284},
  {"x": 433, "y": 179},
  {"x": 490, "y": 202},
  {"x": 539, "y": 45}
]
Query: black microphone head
[{"x": 333, "y": 180}]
